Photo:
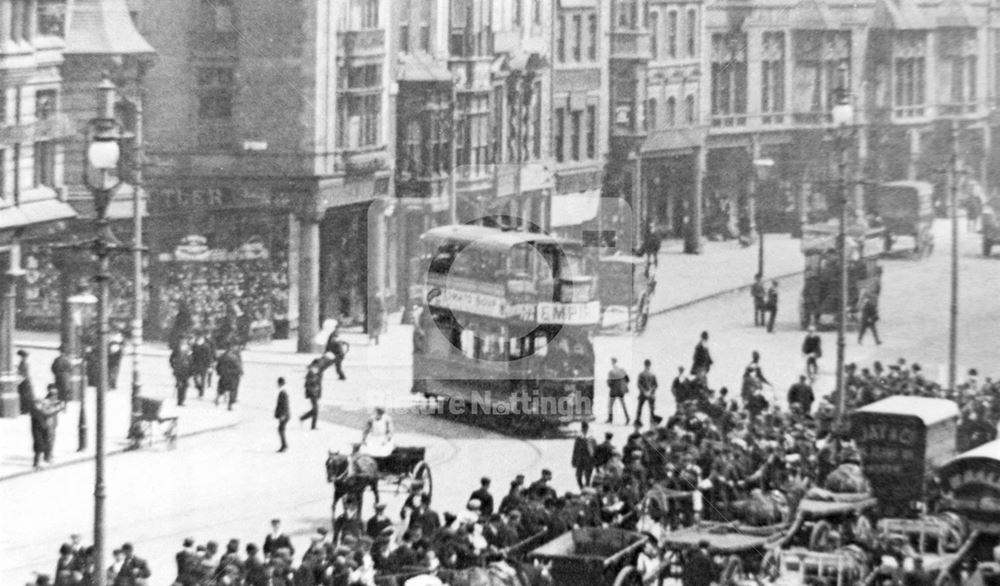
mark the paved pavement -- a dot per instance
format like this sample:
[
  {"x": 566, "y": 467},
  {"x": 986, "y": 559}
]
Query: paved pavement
[
  {"x": 15, "y": 434},
  {"x": 229, "y": 483}
]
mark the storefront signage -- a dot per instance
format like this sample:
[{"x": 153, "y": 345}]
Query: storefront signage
[
  {"x": 174, "y": 198},
  {"x": 468, "y": 302},
  {"x": 576, "y": 314},
  {"x": 523, "y": 311},
  {"x": 971, "y": 488}
]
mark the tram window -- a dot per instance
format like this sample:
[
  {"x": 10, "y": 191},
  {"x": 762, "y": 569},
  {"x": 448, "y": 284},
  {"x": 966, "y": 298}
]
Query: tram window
[
  {"x": 444, "y": 257},
  {"x": 541, "y": 344}
]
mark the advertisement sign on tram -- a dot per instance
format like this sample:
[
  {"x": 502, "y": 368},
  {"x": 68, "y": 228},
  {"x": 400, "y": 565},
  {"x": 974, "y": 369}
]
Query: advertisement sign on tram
[{"x": 970, "y": 486}]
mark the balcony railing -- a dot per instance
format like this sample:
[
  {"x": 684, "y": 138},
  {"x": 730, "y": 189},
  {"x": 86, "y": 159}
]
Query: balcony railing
[
  {"x": 631, "y": 45},
  {"x": 958, "y": 109},
  {"x": 367, "y": 43},
  {"x": 728, "y": 120}
]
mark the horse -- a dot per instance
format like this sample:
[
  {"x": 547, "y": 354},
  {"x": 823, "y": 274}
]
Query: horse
[
  {"x": 847, "y": 479},
  {"x": 351, "y": 480},
  {"x": 502, "y": 573}
]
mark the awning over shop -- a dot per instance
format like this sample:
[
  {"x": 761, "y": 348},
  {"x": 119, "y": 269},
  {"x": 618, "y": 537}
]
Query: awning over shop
[
  {"x": 900, "y": 15},
  {"x": 575, "y": 208},
  {"x": 675, "y": 139},
  {"x": 422, "y": 68},
  {"x": 31, "y": 213}
]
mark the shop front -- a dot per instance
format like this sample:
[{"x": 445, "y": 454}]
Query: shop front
[{"x": 220, "y": 259}]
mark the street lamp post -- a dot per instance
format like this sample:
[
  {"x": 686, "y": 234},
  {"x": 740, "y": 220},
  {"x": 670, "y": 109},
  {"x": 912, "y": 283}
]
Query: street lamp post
[
  {"x": 842, "y": 114},
  {"x": 761, "y": 167},
  {"x": 101, "y": 158},
  {"x": 80, "y": 313},
  {"x": 953, "y": 310}
]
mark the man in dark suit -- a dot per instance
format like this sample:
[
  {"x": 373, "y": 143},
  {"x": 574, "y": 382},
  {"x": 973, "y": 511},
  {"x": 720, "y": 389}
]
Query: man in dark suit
[
  {"x": 134, "y": 570},
  {"x": 582, "y": 459},
  {"x": 771, "y": 305},
  {"x": 604, "y": 451},
  {"x": 348, "y": 525},
  {"x": 699, "y": 569},
  {"x": 230, "y": 370},
  {"x": 425, "y": 518},
  {"x": 254, "y": 570},
  {"x": 276, "y": 540},
  {"x": 314, "y": 390},
  {"x": 378, "y": 523},
  {"x": 541, "y": 489},
  {"x": 812, "y": 349},
  {"x": 62, "y": 370},
  {"x": 186, "y": 559},
  {"x": 702, "y": 360},
  {"x": 180, "y": 365},
  {"x": 282, "y": 412},
  {"x": 484, "y": 497},
  {"x": 801, "y": 394},
  {"x": 202, "y": 360}
]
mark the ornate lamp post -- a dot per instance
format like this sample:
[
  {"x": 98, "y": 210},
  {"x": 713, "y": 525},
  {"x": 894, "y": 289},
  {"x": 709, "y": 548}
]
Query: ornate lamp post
[
  {"x": 101, "y": 160},
  {"x": 842, "y": 115}
]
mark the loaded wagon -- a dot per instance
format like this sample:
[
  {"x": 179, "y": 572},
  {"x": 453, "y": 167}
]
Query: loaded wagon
[
  {"x": 592, "y": 555},
  {"x": 743, "y": 553},
  {"x": 826, "y": 522},
  {"x": 846, "y": 566},
  {"x": 941, "y": 541},
  {"x": 902, "y": 441},
  {"x": 907, "y": 209},
  {"x": 821, "y": 280}
]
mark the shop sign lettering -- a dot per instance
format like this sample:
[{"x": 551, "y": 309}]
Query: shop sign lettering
[
  {"x": 216, "y": 197},
  {"x": 569, "y": 313},
  {"x": 881, "y": 433},
  {"x": 469, "y": 302}
]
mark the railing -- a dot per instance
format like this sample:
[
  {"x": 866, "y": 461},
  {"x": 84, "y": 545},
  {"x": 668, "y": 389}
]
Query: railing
[
  {"x": 728, "y": 120},
  {"x": 631, "y": 44},
  {"x": 958, "y": 109},
  {"x": 362, "y": 43}
]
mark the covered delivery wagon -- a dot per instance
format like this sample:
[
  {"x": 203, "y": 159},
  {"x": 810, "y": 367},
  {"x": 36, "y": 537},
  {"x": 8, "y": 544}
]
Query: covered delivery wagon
[{"x": 902, "y": 440}]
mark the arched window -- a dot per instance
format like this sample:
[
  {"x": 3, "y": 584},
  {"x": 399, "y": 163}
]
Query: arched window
[
  {"x": 654, "y": 34},
  {"x": 689, "y": 107},
  {"x": 671, "y": 111}
]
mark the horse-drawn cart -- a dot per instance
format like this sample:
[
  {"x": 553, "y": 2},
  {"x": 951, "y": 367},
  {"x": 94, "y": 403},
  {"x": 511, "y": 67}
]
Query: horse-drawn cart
[
  {"x": 593, "y": 556},
  {"x": 743, "y": 552},
  {"x": 405, "y": 467}
]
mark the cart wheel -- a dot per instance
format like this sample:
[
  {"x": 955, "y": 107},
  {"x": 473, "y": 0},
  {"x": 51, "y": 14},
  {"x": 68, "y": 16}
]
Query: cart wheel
[
  {"x": 422, "y": 473},
  {"x": 819, "y": 538},
  {"x": 862, "y": 530},
  {"x": 733, "y": 571},
  {"x": 628, "y": 576},
  {"x": 769, "y": 566}
]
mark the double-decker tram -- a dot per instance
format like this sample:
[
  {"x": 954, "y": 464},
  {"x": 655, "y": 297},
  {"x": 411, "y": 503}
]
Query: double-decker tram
[{"x": 507, "y": 322}]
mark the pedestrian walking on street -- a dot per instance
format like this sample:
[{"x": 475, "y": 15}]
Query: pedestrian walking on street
[
  {"x": 647, "y": 392},
  {"x": 230, "y": 369},
  {"x": 702, "y": 361},
  {"x": 25, "y": 392},
  {"x": 376, "y": 319},
  {"x": 282, "y": 412},
  {"x": 869, "y": 319},
  {"x": 812, "y": 349},
  {"x": 582, "y": 460},
  {"x": 180, "y": 365},
  {"x": 617, "y": 389},
  {"x": 202, "y": 361},
  {"x": 65, "y": 566},
  {"x": 801, "y": 394},
  {"x": 335, "y": 352},
  {"x": 759, "y": 295},
  {"x": 62, "y": 371},
  {"x": 771, "y": 305},
  {"x": 314, "y": 390},
  {"x": 134, "y": 571}
]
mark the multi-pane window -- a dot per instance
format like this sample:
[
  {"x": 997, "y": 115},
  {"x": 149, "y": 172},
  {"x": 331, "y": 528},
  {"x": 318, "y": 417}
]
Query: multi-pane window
[
  {"x": 51, "y": 17},
  {"x": 366, "y": 13},
  {"x": 692, "y": 32},
  {"x": 561, "y": 40},
  {"x": 536, "y": 11},
  {"x": 574, "y": 134},
  {"x": 218, "y": 15},
  {"x": 361, "y": 108},
  {"x": 560, "y": 134},
  {"x": 414, "y": 147},
  {"x": 404, "y": 38},
  {"x": 672, "y": 34},
  {"x": 691, "y": 109},
  {"x": 671, "y": 114},
  {"x": 473, "y": 137},
  {"x": 45, "y": 163},
  {"x": 591, "y": 132},
  {"x": 45, "y": 104},
  {"x": 536, "y": 120},
  {"x": 772, "y": 73},
  {"x": 364, "y": 76},
  {"x": 818, "y": 58},
  {"x": 592, "y": 38},
  {"x": 654, "y": 34},
  {"x": 651, "y": 114},
  {"x": 959, "y": 58},
  {"x": 425, "y": 38},
  {"x": 729, "y": 78},
  {"x": 909, "y": 72},
  {"x": 215, "y": 93},
  {"x": 628, "y": 13},
  {"x": 577, "y": 37}
]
